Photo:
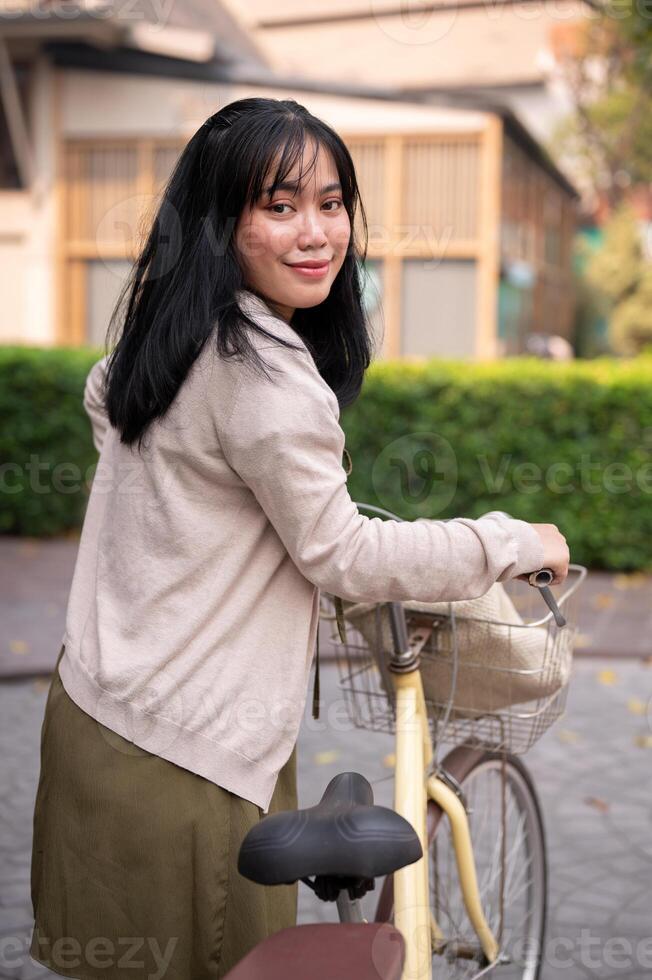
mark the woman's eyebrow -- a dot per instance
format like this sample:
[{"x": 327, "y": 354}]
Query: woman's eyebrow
[{"x": 289, "y": 185}]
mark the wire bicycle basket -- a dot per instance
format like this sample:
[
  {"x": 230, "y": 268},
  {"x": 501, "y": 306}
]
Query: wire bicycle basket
[{"x": 489, "y": 682}]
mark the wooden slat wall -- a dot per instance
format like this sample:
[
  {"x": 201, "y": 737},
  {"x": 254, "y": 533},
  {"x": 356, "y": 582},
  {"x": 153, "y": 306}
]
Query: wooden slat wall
[
  {"x": 440, "y": 191},
  {"x": 163, "y": 161},
  {"x": 370, "y": 166},
  {"x": 425, "y": 196},
  {"x": 537, "y": 226},
  {"x": 488, "y": 263},
  {"x": 420, "y": 192},
  {"x": 109, "y": 188},
  {"x": 109, "y": 195}
]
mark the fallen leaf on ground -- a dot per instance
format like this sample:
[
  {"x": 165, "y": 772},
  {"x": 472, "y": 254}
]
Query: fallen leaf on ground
[
  {"x": 389, "y": 761},
  {"x": 582, "y": 640},
  {"x": 19, "y": 646},
  {"x": 603, "y": 600},
  {"x": 324, "y": 758},
  {"x": 634, "y": 580},
  {"x": 636, "y": 707},
  {"x": 597, "y": 803},
  {"x": 565, "y": 735},
  {"x": 27, "y": 548},
  {"x": 643, "y": 741},
  {"x": 607, "y": 677}
]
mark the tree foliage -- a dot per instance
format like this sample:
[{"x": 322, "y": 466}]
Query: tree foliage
[
  {"x": 621, "y": 273},
  {"x": 606, "y": 63}
]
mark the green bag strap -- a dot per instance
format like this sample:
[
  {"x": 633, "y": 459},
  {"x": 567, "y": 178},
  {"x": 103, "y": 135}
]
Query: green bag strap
[
  {"x": 339, "y": 613},
  {"x": 315, "y": 690},
  {"x": 339, "y": 610}
]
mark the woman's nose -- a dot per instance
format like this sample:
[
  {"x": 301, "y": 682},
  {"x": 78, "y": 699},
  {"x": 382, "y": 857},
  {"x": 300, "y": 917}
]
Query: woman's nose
[{"x": 312, "y": 228}]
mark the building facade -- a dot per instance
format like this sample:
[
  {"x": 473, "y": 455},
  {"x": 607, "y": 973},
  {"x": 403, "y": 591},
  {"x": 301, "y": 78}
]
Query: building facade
[{"x": 469, "y": 222}]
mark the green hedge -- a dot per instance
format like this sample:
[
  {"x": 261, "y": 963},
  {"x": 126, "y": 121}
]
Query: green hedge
[
  {"x": 569, "y": 444},
  {"x": 47, "y": 457},
  {"x": 446, "y": 439}
]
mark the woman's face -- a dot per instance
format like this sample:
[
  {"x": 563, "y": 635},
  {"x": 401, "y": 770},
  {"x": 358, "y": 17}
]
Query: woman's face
[{"x": 291, "y": 228}]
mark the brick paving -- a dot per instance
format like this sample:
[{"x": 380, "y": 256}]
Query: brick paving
[
  {"x": 592, "y": 769},
  {"x": 592, "y": 772}
]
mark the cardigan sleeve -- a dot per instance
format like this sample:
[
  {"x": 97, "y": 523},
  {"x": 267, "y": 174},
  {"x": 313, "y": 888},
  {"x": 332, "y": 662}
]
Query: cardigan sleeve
[
  {"x": 93, "y": 401},
  {"x": 284, "y": 440}
]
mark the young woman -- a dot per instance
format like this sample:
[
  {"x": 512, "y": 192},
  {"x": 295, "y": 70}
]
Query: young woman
[{"x": 218, "y": 510}]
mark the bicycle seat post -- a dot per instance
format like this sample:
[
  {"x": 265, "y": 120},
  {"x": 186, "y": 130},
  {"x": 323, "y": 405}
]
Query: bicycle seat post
[{"x": 349, "y": 909}]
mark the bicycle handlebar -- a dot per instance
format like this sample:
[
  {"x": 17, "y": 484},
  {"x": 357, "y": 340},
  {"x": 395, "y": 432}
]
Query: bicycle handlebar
[{"x": 541, "y": 580}]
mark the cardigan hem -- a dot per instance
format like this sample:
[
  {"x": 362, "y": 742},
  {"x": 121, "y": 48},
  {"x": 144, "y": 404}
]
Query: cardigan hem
[{"x": 190, "y": 750}]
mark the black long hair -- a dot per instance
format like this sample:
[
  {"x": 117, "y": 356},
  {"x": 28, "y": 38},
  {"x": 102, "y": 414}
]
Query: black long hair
[{"x": 182, "y": 287}]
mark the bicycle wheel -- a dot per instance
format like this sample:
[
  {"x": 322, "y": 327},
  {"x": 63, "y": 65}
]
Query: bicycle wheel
[{"x": 520, "y": 852}]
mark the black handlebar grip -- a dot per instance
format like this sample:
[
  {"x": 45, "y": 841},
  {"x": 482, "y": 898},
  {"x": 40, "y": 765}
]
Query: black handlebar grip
[{"x": 541, "y": 580}]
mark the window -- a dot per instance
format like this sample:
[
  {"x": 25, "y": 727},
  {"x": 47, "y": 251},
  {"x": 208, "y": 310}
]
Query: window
[
  {"x": 104, "y": 280},
  {"x": 9, "y": 172},
  {"x": 372, "y": 297},
  {"x": 438, "y": 315}
]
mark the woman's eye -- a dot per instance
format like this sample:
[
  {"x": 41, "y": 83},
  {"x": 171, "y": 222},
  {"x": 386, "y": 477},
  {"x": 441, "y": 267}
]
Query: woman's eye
[{"x": 283, "y": 205}]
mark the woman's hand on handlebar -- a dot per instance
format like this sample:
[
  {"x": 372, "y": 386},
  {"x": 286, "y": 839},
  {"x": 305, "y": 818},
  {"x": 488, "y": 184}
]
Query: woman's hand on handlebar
[{"x": 556, "y": 555}]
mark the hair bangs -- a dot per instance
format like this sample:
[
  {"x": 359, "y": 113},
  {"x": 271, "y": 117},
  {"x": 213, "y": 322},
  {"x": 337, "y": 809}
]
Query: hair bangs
[{"x": 281, "y": 160}]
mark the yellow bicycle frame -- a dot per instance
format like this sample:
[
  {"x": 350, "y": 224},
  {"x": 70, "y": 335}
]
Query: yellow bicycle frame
[{"x": 412, "y": 913}]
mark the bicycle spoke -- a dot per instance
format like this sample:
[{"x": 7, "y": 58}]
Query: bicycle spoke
[{"x": 517, "y": 866}]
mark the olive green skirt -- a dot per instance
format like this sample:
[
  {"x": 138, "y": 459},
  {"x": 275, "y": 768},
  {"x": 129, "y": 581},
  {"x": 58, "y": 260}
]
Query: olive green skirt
[{"x": 134, "y": 859}]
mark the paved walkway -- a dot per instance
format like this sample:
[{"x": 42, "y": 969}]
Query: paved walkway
[
  {"x": 592, "y": 771},
  {"x": 35, "y": 576}
]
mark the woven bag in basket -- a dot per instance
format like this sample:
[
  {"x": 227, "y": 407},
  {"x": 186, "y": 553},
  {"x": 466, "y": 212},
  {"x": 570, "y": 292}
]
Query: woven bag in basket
[{"x": 498, "y": 665}]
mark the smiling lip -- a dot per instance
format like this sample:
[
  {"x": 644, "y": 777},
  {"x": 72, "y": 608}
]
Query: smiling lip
[
  {"x": 311, "y": 269},
  {"x": 309, "y": 264}
]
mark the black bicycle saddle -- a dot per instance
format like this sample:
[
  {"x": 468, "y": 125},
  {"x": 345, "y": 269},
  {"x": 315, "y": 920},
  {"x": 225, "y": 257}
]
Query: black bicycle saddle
[{"x": 344, "y": 835}]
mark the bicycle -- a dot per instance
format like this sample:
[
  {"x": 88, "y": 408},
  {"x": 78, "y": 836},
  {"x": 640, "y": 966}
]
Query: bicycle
[{"x": 452, "y": 889}]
